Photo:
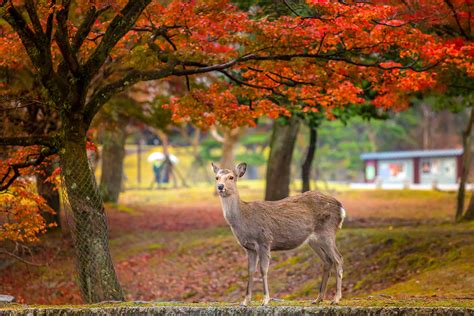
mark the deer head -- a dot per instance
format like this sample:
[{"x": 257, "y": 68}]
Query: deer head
[{"x": 226, "y": 179}]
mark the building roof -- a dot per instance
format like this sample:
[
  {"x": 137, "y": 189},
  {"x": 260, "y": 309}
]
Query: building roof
[{"x": 412, "y": 154}]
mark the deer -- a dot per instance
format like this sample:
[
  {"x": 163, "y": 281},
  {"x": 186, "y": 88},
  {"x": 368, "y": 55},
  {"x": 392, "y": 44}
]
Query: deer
[{"x": 264, "y": 226}]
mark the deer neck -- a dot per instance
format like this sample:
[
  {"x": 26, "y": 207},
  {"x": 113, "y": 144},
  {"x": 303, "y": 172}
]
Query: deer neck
[{"x": 231, "y": 208}]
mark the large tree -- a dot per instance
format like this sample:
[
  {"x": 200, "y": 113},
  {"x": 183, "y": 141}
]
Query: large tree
[
  {"x": 452, "y": 21},
  {"x": 85, "y": 52}
]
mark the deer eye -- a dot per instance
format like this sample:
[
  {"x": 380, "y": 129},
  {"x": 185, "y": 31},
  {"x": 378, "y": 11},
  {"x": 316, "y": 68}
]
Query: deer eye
[
  {"x": 231, "y": 178},
  {"x": 217, "y": 178}
]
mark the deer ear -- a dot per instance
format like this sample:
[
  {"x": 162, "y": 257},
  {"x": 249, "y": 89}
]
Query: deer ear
[
  {"x": 215, "y": 168},
  {"x": 240, "y": 169}
]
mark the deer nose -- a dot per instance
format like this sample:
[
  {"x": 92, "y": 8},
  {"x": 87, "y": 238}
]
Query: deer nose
[{"x": 220, "y": 187}]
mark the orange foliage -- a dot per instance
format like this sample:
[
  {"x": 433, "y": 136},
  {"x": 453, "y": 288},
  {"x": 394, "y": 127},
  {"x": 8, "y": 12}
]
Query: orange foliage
[
  {"x": 311, "y": 63},
  {"x": 20, "y": 213},
  {"x": 20, "y": 206},
  {"x": 347, "y": 43}
]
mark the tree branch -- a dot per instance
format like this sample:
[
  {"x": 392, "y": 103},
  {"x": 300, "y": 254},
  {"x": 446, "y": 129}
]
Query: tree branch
[
  {"x": 38, "y": 50},
  {"x": 14, "y": 256},
  {"x": 29, "y": 141},
  {"x": 85, "y": 27},
  {"x": 109, "y": 90},
  {"x": 8, "y": 180},
  {"x": 120, "y": 25},
  {"x": 62, "y": 39},
  {"x": 456, "y": 18},
  {"x": 215, "y": 134},
  {"x": 49, "y": 22},
  {"x": 30, "y": 8}
]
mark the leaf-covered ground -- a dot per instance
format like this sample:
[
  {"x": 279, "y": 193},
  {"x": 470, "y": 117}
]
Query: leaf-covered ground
[{"x": 398, "y": 246}]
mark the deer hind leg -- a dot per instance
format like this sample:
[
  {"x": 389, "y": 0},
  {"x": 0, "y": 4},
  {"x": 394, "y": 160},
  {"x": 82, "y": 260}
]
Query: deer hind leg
[
  {"x": 339, "y": 271},
  {"x": 328, "y": 245},
  {"x": 327, "y": 264},
  {"x": 264, "y": 256},
  {"x": 252, "y": 266}
]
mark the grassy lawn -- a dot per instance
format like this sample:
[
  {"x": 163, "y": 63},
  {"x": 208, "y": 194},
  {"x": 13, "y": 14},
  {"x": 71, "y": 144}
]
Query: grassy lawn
[{"x": 389, "y": 206}]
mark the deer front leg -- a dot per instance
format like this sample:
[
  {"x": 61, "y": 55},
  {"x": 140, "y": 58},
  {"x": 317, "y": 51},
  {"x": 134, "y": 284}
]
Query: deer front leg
[
  {"x": 264, "y": 255},
  {"x": 252, "y": 266}
]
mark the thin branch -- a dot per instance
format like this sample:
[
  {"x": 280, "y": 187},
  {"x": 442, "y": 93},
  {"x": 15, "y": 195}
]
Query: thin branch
[
  {"x": 244, "y": 83},
  {"x": 307, "y": 17},
  {"x": 15, "y": 168},
  {"x": 14, "y": 256},
  {"x": 29, "y": 141},
  {"x": 84, "y": 29},
  {"x": 456, "y": 18}
]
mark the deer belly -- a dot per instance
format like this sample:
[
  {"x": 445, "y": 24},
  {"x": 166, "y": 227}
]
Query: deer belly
[{"x": 289, "y": 242}]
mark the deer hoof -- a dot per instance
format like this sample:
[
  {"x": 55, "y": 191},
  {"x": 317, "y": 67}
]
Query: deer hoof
[
  {"x": 317, "y": 301},
  {"x": 265, "y": 301}
]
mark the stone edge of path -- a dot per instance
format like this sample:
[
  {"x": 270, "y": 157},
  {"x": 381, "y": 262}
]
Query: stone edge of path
[{"x": 272, "y": 310}]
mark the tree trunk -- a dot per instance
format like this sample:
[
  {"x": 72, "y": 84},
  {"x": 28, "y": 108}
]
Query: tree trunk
[
  {"x": 306, "y": 167},
  {"x": 113, "y": 154},
  {"x": 469, "y": 215},
  {"x": 48, "y": 191},
  {"x": 229, "y": 143},
  {"x": 279, "y": 161},
  {"x": 427, "y": 126},
  {"x": 229, "y": 140},
  {"x": 372, "y": 136},
  {"x": 97, "y": 279},
  {"x": 466, "y": 162}
]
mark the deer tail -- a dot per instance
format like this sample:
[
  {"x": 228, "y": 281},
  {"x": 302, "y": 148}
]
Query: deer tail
[{"x": 343, "y": 215}]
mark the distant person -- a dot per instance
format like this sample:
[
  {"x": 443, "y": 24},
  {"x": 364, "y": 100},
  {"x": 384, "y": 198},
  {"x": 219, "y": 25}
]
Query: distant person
[{"x": 157, "y": 173}]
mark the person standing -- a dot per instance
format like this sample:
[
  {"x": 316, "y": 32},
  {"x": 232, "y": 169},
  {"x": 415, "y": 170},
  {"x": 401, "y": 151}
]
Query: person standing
[{"x": 157, "y": 173}]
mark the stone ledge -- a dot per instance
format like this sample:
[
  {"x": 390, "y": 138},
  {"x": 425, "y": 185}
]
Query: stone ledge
[{"x": 230, "y": 311}]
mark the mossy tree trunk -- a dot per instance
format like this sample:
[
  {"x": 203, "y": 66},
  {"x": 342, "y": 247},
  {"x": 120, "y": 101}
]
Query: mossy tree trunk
[
  {"x": 308, "y": 162},
  {"x": 113, "y": 154},
  {"x": 97, "y": 277},
  {"x": 279, "y": 162}
]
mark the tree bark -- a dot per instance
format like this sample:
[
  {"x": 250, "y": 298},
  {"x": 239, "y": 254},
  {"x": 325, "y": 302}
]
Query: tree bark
[
  {"x": 113, "y": 154},
  {"x": 466, "y": 162},
  {"x": 469, "y": 215},
  {"x": 97, "y": 279},
  {"x": 49, "y": 192},
  {"x": 279, "y": 161},
  {"x": 306, "y": 167},
  {"x": 229, "y": 143},
  {"x": 229, "y": 139}
]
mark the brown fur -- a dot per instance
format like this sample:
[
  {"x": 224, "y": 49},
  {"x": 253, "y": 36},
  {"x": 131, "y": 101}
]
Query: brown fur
[{"x": 262, "y": 226}]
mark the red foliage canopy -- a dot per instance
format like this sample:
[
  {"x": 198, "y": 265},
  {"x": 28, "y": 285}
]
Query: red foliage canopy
[{"x": 84, "y": 52}]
